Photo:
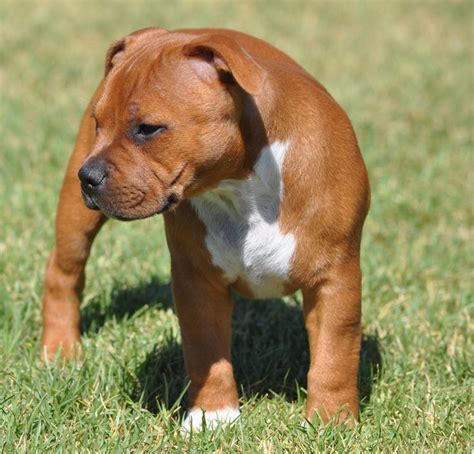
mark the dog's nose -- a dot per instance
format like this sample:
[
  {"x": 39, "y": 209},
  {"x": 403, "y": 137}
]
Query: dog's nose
[{"x": 92, "y": 174}]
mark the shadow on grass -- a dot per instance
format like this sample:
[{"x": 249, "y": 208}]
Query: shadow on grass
[
  {"x": 269, "y": 348},
  {"x": 126, "y": 302}
]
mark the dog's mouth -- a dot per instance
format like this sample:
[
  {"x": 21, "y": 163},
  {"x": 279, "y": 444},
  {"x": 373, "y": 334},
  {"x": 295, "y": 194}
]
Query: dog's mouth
[
  {"x": 136, "y": 203},
  {"x": 171, "y": 201},
  {"x": 89, "y": 201}
]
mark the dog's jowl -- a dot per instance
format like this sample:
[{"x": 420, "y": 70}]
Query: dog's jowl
[{"x": 258, "y": 174}]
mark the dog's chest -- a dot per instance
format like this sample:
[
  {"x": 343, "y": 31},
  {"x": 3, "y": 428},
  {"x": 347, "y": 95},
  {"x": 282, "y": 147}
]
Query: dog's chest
[{"x": 243, "y": 234}]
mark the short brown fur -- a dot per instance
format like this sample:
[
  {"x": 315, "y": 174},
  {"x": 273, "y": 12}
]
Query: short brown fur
[{"x": 228, "y": 94}]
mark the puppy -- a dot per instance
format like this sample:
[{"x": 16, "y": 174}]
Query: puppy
[{"x": 257, "y": 171}]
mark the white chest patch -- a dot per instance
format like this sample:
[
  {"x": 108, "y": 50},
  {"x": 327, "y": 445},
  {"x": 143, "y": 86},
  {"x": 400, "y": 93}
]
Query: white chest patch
[{"x": 243, "y": 233}]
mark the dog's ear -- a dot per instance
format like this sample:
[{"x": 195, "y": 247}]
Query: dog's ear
[
  {"x": 117, "y": 49},
  {"x": 114, "y": 54},
  {"x": 229, "y": 59}
]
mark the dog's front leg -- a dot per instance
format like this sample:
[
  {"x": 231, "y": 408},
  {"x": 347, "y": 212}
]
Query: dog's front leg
[
  {"x": 332, "y": 318},
  {"x": 204, "y": 307},
  {"x": 76, "y": 227}
]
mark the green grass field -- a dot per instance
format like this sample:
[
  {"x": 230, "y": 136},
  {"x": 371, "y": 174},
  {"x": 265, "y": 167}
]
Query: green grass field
[{"x": 404, "y": 74}]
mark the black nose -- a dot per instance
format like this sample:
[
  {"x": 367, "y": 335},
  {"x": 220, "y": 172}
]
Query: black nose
[{"x": 92, "y": 174}]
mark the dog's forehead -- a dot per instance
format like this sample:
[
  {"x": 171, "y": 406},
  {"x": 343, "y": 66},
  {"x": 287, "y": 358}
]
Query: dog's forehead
[
  {"x": 149, "y": 50},
  {"x": 154, "y": 62}
]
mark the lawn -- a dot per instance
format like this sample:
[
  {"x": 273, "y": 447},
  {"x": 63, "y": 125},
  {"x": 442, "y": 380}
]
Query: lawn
[{"x": 404, "y": 74}]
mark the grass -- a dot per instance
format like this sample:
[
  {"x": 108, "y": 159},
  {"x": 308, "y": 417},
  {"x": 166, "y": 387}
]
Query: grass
[{"x": 404, "y": 73}]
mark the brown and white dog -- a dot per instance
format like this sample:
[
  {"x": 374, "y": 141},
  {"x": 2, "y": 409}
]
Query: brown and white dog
[{"x": 263, "y": 189}]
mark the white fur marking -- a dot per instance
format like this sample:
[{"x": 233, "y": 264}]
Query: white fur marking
[
  {"x": 212, "y": 419},
  {"x": 243, "y": 234}
]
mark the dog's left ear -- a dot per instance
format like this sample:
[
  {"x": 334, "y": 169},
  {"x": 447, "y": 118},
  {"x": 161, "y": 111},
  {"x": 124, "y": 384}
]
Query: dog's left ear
[{"x": 229, "y": 59}]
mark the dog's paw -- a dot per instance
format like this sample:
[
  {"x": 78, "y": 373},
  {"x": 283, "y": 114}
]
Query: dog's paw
[{"x": 198, "y": 419}]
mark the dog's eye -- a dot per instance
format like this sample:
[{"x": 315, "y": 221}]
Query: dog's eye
[{"x": 146, "y": 131}]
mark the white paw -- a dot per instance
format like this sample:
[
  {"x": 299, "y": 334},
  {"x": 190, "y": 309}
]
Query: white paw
[{"x": 197, "y": 419}]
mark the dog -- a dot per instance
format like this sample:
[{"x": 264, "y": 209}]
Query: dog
[{"x": 258, "y": 174}]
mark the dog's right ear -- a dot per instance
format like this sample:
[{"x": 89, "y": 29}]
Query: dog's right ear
[
  {"x": 117, "y": 49},
  {"x": 114, "y": 54}
]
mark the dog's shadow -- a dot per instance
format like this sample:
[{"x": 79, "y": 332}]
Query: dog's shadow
[{"x": 269, "y": 348}]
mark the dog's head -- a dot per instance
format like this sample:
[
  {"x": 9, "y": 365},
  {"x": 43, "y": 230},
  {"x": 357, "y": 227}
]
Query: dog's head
[{"x": 167, "y": 121}]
